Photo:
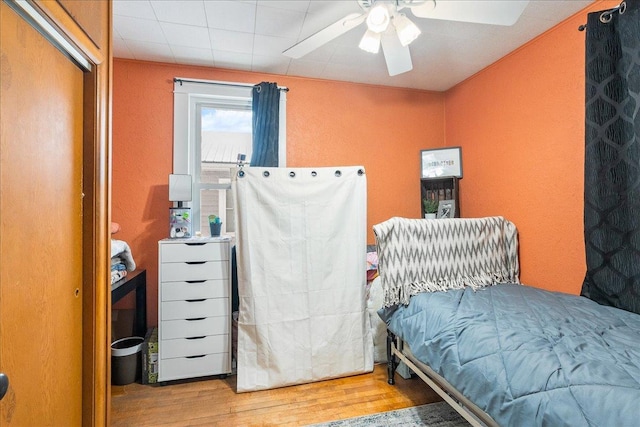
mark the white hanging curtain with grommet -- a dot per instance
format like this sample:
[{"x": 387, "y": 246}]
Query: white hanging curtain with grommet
[{"x": 301, "y": 251}]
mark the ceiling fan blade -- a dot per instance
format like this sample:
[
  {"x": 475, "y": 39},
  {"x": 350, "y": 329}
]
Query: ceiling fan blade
[
  {"x": 325, "y": 35},
  {"x": 496, "y": 12},
  {"x": 398, "y": 57}
]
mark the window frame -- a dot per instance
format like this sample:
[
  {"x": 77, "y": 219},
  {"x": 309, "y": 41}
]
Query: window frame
[{"x": 189, "y": 97}]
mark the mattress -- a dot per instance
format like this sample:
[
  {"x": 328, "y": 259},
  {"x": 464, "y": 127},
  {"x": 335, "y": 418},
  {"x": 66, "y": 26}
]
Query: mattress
[{"x": 528, "y": 356}]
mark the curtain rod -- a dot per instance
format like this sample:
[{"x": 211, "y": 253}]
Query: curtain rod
[
  {"x": 214, "y": 82},
  {"x": 607, "y": 15}
]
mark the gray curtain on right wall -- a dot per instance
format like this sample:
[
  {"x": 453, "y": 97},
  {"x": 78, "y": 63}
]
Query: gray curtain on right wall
[{"x": 612, "y": 157}]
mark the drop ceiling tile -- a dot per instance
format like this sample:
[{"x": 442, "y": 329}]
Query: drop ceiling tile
[
  {"x": 278, "y": 22},
  {"x": 435, "y": 28},
  {"x": 357, "y": 57},
  {"x": 271, "y": 46},
  {"x": 337, "y": 8},
  {"x": 527, "y": 29},
  {"x": 322, "y": 54},
  {"x": 234, "y": 60},
  {"x": 186, "y": 35},
  {"x": 190, "y": 12},
  {"x": 193, "y": 55},
  {"x": 142, "y": 30},
  {"x": 476, "y": 51},
  {"x": 231, "y": 41},
  {"x": 560, "y": 10},
  {"x": 352, "y": 37},
  {"x": 297, "y": 5},
  {"x": 349, "y": 72},
  {"x": 144, "y": 51},
  {"x": 270, "y": 64},
  {"x": 231, "y": 15},
  {"x": 306, "y": 68},
  {"x": 120, "y": 49},
  {"x": 134, "y": 9},
  {"x": 116, "y": 33}
]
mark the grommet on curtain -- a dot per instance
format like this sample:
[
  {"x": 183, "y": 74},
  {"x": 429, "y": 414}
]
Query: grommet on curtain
[
  {"x": 360, "y": 172},
  {"x": 266, "y": 174},
  {"x": 338, "y": 174},
  {"x": 314, "y": 174},
  {"x": 292, "y": 174},
  {"x": 607, "y": 16}
]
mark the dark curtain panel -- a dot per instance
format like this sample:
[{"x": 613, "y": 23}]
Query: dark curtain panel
[
  {"x": 612, "y": 158},
  {"x": 266, "y": 118}
]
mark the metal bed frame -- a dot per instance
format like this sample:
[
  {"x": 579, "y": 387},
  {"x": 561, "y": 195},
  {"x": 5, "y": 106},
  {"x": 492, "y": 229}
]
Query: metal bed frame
[{"x": 398, "y": 350}]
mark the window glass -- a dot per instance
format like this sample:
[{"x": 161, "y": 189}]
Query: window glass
[{"x": 225, "y": 132}]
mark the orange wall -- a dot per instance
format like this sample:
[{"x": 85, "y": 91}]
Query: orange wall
[
  {"x": 328, "y": 124},
  {"x": 520, "y": 124}
]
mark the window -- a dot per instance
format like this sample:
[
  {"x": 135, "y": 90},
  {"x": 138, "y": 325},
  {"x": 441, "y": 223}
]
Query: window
[
  {"x": 212, "y": 126},
  {"x": 225, "y": 132}
]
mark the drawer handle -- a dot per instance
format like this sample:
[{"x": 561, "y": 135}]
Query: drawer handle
[
  {"x": 195, "y": 262},
  {"x": 195, "y": 300},
  {"x": 196, "y": 244},
  {"x": 195, "y": 318},
  {"x": 195, "y": 338},
  {"x": 196, "y": 357},
  {"x": 195, "y": 281}
]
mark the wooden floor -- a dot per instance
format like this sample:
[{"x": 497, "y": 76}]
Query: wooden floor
[{"x": 214, "y": 402}]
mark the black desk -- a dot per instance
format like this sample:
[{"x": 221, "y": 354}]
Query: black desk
[{"x": 134, "y": 280}]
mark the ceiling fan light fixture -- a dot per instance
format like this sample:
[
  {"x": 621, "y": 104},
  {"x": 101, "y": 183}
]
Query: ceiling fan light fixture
[
  {"x": 407, "y": 30},
  {"x": 378, "y": 18},
  {"x": 370, "y": 42}
]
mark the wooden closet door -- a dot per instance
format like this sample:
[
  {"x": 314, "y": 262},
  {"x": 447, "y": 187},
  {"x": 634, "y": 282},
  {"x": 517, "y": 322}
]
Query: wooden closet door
[{"x": 41, "y": 122}]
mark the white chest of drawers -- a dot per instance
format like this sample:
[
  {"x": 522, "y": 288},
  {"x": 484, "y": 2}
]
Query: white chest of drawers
[{"x": 194, "y": 308}]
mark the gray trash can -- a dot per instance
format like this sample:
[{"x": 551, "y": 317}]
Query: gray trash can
[{"x": 125, "y": 360}]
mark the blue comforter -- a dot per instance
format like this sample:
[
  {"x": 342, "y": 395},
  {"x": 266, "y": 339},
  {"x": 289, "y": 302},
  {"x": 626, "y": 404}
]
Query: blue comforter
[{"x": 529, "y": 357}]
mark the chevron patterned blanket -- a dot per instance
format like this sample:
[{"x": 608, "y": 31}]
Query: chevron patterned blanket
[{"x": 417, "y": 255}]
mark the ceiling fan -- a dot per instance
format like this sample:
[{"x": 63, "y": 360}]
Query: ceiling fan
[{"x": 389, "y": 27}]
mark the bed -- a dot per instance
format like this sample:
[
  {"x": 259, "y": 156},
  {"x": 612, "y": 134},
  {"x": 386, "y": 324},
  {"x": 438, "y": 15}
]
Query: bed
[{"x": 500, "y": 352}]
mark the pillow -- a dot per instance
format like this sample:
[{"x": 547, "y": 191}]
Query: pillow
[
  {"x": 115, "y": 227},
  {"x": 372, "y": 266}
]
